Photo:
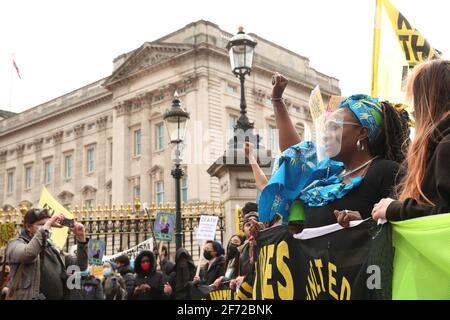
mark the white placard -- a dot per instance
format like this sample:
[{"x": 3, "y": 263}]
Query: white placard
[{"x": 207, "y": 227}]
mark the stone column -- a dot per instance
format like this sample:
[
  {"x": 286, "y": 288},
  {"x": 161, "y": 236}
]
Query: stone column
[
  {"x": 57, "y": 172},
  {"x": 78, "y": 163},
  {"x": 20, "y": 169},
  {"x": 121, "y": 149},
  {"x": 146, "y": 149},
  {"x": 4, "y": 177},
  {"x": 36, "y": 173},
  {"x": 101, "y": 164}
]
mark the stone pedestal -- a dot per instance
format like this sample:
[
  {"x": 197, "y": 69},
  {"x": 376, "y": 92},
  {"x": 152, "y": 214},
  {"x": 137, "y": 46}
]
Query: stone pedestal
[{"x": 237, "y": 183}]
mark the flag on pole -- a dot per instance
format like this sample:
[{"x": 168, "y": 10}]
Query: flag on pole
[
  {"x": 16, "y": 67},
  {"x": 397, "y": 48}
]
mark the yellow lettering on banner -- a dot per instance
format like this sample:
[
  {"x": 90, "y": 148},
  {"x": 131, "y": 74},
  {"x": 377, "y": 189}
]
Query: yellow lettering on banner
[
  {"x": 346, "y": 291},
  {"x": 332, "y": 280},
  {"x": 314, "y": 278},
  {"x": 312, "y": 285},
  {"x": 267, "y": 290},
  {"x": 308, "y": 297},
  {"x": 285, "y": 292},
  {"x": 319, "y": 265},
  {"x": 262, "y": 265}
]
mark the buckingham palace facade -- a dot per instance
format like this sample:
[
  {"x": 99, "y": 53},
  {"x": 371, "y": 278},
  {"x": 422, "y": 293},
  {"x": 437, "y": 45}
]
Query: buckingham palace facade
[{"x": 105, "y": 143}]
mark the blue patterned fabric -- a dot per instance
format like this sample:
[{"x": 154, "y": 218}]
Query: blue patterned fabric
[
  {"x": 299, "y": 175},
  {"x": 369, "y": 112}
]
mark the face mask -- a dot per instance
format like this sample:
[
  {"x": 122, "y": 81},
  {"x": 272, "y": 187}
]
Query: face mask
[
  {"x": 88, "y": 288},
  {"x": 207, "y": 255},
  {"x": 107, "y": 272},
  {"x": 145, "y": 266},
  {"x": 232, "y": 250}
]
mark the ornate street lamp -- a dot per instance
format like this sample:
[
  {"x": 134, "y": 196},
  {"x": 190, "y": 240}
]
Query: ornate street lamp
[
  {"x": 241, "y": 48},
  {"x": 175, "y": 120}
]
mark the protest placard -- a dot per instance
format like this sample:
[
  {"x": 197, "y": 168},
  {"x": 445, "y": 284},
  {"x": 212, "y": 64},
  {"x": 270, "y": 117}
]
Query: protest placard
[
  {"x": 96, "y": 250},
  {"x": 164, "y": 226},
  {"x": 207, "y": 227}
]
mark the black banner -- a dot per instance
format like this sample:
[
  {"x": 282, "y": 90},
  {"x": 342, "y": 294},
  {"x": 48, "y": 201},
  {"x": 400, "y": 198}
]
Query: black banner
[{"x": 353, "y": 263}]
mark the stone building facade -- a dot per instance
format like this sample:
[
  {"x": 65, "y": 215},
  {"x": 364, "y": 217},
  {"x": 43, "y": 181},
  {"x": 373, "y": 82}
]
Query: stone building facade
[{"x": 105, "y": 143}]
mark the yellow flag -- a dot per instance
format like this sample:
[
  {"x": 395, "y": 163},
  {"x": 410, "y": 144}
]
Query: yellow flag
[
  {"x": 59, "y": 235},
  {"x": 397, "y": 48}
]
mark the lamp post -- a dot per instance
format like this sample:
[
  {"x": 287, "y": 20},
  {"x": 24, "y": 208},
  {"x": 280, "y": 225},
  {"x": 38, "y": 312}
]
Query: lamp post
[
  {"x": 241, "y": 48},
  {"x": 175, "y": 120}
]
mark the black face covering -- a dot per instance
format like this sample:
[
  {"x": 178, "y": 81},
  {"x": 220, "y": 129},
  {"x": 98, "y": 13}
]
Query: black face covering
[
  {"x": 207, "y": 255},
  {"x": 232, "y": 250}
]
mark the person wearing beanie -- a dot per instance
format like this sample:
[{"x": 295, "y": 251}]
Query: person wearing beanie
[
  {"x": 38, "y": 267},
  {"x": 249, "y": 207}
]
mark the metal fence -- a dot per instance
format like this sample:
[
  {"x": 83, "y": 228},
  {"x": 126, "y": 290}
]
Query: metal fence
[{"x": 126, "y": 226}]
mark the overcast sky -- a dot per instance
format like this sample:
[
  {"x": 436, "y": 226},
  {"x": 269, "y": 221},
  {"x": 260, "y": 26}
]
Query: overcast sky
[{"x": 61, "y": 45}]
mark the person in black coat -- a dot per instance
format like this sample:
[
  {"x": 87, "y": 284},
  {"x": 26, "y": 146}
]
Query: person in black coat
[
  {"x": 149, "y": 281},
  {"x": 182, "y": 274},
  {"x": 214, "y": 268}
]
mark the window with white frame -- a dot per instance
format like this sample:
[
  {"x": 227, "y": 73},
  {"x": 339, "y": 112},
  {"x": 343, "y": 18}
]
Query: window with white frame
[
  {"x": 159, "y": 192},
  {"x": 110, "y": 153},
  {"x": 47, "y": 171},
  {"x": 137, "y": 142},
  {"x": 137, "y": 191},
  {"x": 10, "y": 182},
  {"x": 184, "y": 189},
  {"x": 90, "y": 158},
  {"x": 273, "y": 139},
  {"x": 231, "y": 89},
  {"x": 89, "y": 203},
  {"x": 232, "y": 120},
  {"x": 159, "y": 128},
  {"x": 28, "y": 177},
  {"x": 68, "y": 166}
]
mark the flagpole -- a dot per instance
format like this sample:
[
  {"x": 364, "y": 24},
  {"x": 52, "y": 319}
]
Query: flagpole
[
  {"x": 11, "y": 84},
  {"x": 376, "y": 48}
]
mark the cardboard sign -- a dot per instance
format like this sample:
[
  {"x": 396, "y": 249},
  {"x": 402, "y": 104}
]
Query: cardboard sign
[
  {"x": 316, "y": 106},
  {"x": 97, "y": 271},
  {"x": 96, "y": 250},
  {"x": 207, "y": 227},
  {"x": 164, "y": 226}
]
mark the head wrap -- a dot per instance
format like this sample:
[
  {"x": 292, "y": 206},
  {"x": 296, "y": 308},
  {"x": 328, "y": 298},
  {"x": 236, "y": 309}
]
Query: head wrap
[{"x": 368, "y": 111}]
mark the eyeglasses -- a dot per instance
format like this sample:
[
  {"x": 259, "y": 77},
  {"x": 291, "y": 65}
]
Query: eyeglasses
[{"x": 336, "y": 124}]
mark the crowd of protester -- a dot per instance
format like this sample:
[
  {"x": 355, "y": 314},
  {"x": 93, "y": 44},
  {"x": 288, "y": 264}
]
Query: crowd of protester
[{"x": 377, "y": 172}]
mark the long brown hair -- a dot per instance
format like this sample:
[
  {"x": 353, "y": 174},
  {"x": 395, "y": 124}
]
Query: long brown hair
[{"x": 429, "y": 88}]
